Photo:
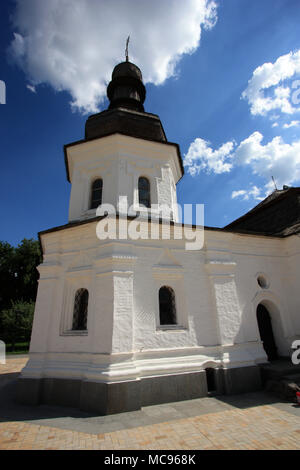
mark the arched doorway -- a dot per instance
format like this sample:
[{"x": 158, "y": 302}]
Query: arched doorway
[
  {"x": 266, "y": 332},
  {"x": 210, "y": 379}
]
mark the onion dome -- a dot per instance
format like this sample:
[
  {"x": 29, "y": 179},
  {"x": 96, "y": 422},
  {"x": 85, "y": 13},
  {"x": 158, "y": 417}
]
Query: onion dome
[{"x": 126, "y": 89}]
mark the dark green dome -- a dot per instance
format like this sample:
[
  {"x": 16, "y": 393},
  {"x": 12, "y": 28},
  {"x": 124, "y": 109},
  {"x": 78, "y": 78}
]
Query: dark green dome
[
  {"x": 126, "y": 89},
  {"x": 127, "y": 69}
]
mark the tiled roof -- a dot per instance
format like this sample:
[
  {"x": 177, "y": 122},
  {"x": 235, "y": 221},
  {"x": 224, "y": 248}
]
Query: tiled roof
[{"x": 277, "y": 215}]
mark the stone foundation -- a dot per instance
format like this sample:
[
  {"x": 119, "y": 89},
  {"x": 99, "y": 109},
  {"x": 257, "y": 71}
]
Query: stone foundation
[{"x": 110, "y": 398}]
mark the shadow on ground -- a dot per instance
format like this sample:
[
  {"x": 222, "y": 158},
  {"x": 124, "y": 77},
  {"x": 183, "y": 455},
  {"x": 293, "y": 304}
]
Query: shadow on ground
[
  {"x": 249, "y": 400},
  {"x": 76, "y": 420}
]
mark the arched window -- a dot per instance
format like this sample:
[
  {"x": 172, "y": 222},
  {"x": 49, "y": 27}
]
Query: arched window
[
  {"x": 144, "y": 192},
  {"x": 80, "y": 310},
  {"x": 96, "y": 194},
  {"x": 167, "y": 306}
]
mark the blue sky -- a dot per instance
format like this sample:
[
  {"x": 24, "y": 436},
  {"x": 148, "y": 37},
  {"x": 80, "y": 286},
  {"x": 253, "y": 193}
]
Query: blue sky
[{"x": 229, "y": 98}]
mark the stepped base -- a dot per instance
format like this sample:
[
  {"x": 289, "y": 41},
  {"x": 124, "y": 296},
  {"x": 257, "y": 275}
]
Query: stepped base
[{"x": 118, "y": 397}]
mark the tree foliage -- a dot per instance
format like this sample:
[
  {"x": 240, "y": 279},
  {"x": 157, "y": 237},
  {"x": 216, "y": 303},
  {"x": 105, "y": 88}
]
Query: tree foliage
[
  {"x": 17, "y": 322},
  {"x": 18, "y": 287},
  {"x": 7, "y": 274}
]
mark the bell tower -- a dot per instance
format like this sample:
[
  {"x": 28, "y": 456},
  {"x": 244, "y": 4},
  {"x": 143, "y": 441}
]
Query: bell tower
[
  {"x": 126, "y": 152},
  {"x": 87, "y": 326},
  {"x": 126, "y": 322}
]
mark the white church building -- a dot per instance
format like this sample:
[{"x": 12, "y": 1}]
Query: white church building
[{"x": 124, "y": 323}]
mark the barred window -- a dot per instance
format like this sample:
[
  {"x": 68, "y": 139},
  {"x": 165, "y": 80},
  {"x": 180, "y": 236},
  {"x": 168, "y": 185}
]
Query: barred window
[
  {"x": 167, "y": 306},
  {"x": 96, "y": 194},
  {"x": 80, "y": 310},
  {"x": 144, "y": 192}
]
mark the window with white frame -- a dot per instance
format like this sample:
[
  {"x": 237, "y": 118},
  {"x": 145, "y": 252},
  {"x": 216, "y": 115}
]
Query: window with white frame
[
  {"x": 144, "y": 192},
  {"x": 167, "y": 306},
  {"x": 80, "y": 310},
  {"x": 96, "y": 193}
]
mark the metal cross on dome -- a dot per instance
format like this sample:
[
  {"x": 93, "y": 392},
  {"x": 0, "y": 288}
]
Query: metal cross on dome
[{"x": 126, "y": 50}]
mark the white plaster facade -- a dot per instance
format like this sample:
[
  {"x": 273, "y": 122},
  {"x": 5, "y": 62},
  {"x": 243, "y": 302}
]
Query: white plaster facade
[
  {"x": 120, "y": 160},
  {"x": 216, "y": 288}
]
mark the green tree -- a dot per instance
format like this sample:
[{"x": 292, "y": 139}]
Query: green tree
[
  {"x": 18, "y": 282},
  {"x": 17, "y": 322},
  {"x": 7, "y": 274},
  {"x": 27, "y": 258}
]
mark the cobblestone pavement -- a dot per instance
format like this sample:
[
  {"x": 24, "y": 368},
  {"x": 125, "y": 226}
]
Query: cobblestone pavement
[{"x": 250, "y": 421}]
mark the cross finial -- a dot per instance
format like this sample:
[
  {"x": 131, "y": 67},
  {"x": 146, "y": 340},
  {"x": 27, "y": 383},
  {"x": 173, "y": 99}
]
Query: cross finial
[
  {"x": 274, "y": 183},
  {"x": 126, "y": 50}
]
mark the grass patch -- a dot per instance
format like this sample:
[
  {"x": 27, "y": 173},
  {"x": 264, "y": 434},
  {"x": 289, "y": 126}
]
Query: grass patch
[{"x": 20, "y": 348}]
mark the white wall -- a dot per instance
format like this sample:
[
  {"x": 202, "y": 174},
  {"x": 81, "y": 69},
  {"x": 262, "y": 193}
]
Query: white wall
[
  {"x": 216, "y": 287},
  {"x": 120, "y": 161},
  {"x": 216, "y": 299}
]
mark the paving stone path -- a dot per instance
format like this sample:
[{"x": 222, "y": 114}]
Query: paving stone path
[{"x": 250, "y": 421}]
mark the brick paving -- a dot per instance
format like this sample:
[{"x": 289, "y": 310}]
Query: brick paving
[{"x": 259, "y": 426}]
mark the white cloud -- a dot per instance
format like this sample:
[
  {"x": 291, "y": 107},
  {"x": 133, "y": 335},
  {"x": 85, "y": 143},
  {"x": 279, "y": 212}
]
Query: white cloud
[
  {"x": 31, "y": 88},
  {"x": 270, "y": 77},
  {"x": 275, "y": 158},
  {"x": 201, "y": 157},
  {"x": 246, "y": 194},
  {"x": 291, "y": 124},
  {"x": 73, "y": 45},
  {"x": 240, "y": 193},
  {"x": 275, "y": 124}
]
